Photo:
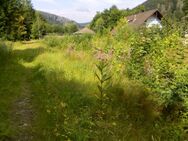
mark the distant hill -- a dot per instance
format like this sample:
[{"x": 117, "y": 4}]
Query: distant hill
[
  {"x": 167, "y": 7},
  {"x": 54, "y": 19},
  {"x": 82, "y": 25}
]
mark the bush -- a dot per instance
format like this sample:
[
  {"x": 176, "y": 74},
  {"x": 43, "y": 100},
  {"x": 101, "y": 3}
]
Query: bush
[
  {"x": 81, "y": 42},
  {"x": 52, "y": 41},
  {"x": 145, "y": 97},
  {"x": 155, "y": 60}
]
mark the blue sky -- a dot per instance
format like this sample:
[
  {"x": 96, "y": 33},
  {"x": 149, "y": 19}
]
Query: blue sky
[{"x": 81, "y": 10}]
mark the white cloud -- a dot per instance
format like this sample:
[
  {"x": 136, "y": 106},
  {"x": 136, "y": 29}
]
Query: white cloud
[
  {"x": 113, "y": 1},
  {"x": 83, "y": 10},
  {"x": 48, "y": 1}
]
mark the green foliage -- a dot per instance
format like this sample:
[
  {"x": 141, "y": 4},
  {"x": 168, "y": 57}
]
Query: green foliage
[
  {"x": 155, "y": 59},
  {"x": 185, "y": 7},
  {"x": 146, "y": 99},
  {"x": 77, "y": 42},
  {"x": 52, "y": 41},
  {"x": 170, "y": 8},
  {"x": 64, "y": 88},
  {"x": 28, "y": 14},
  {"x": 39, "y": 27},
  {"x": 148, "y": 89},
  {"x": 5, "y": 51},
  {"x": 106, "y": 19},
  {"x": 59, "y": 110},
  {"x": 61, "y": 29},
  {"x": 103, "y": 77},
  {"x": 16, "y": 19},
  {"x": 109, "y": 18},
  {"x": 70, "y": 28},
  {"x": 55, "y": 28}
]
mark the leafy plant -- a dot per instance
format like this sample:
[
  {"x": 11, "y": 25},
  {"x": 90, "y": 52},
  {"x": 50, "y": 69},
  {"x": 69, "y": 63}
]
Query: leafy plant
[{"x": 103, "y": 78}]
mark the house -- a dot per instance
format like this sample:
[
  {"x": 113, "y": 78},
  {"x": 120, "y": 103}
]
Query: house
[
  {"x": 85, "y": 30},
  {"x": 147, "y": 18}
]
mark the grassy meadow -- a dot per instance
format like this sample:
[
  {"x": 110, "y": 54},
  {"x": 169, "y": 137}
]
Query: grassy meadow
[
  {"x": 90, "y": 88},
  {"x": 121, "y": 77}
]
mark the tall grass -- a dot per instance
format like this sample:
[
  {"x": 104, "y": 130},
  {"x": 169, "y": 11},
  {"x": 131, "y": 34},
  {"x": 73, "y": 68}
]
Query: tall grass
[
  {"x": 66, "y": 90},
  {"x": 5, "y": 51},
  {"x": 65, "y": 82},
  {"x": 66, "y": 93},
  {"x": 77, "y": 42}
]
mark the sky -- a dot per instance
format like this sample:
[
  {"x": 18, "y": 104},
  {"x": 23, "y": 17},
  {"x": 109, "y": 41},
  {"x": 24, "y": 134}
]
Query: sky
[{"x": 81, "y": 10}]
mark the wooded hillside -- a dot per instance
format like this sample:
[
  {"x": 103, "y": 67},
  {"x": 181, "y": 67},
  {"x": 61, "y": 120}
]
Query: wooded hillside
[
  {"x": 54, "y": 19},
  {"x": 167, "y": 7}
]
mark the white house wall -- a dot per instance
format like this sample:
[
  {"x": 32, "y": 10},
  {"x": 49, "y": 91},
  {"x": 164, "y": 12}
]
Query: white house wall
[{"x": 152, "y": 21}]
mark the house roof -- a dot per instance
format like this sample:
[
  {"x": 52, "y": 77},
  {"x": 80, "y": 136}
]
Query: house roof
[
  {"x": 85, "y": 30},
  {"x": 141, "y": 18}
]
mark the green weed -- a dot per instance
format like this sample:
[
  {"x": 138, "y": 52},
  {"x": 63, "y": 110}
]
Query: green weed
[{"x": 5, "y": 51}]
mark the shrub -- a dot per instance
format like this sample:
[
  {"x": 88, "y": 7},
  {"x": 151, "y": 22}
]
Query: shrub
[
  {"x": 81, "y": 42},
  {"x": 157, "y": 61},
  {"x": 52, "y": 41}
]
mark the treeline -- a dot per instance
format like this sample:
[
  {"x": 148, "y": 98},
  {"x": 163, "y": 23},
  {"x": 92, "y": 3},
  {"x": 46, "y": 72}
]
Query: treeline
[
  {"x": 185, "y": 8},
  {"x": 19, "y": 21},
  {"x": 106, "y": 20},
  {"x": 172, "y": 8},
  {"x": 16, "y": 18},
  {"x": 41, "y": 27}
]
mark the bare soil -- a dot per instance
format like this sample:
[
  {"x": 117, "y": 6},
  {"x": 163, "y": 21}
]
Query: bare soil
[{"x": 23, "y": 114}]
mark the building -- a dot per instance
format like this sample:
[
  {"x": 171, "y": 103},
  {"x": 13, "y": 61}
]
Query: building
[{"x": 148, "y": 18}]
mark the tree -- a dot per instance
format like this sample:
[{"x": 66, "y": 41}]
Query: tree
[
  {"x": 21, "y": 32},
  {"x": 9, "y": 14},
  {"x": 107, "y": 19},
  {"x": 185, "y": 18},
  {"x": 99, "y": 25},
  {"x": 185, "y": 7},
  {"x": 70, "y": 28},
  {"x": 28, "y": 14},
  {"x": 39, "y": 27},
  {"x": 15, "y": 16}
]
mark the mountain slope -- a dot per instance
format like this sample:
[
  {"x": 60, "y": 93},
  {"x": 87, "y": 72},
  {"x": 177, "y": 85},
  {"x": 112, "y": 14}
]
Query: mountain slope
[
  {"x": 54, "y": 19},
  {"x": 171, "y": 8}
]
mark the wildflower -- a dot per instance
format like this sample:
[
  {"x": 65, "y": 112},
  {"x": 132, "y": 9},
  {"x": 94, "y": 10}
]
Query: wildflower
[
  {"x": 57, "y": 134},
  {"x": 63, "y": 105},
  {"x": 101, "y": 56},
  {"x": 120, "y": 65},
  {"x": 48, "y": 111},
  {"x": 55, "y": 130},
  {"x": 114, "y": 124}
]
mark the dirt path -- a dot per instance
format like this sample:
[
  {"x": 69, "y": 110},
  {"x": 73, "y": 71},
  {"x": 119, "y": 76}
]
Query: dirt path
[{"x": 23, "y": 114}]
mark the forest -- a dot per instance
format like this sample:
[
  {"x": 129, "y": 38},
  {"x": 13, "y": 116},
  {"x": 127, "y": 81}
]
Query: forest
[{"x": 127, "y": 85}]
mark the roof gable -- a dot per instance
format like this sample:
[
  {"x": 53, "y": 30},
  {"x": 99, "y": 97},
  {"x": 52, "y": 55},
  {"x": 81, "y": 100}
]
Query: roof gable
[{"x": 141, "y": 18}]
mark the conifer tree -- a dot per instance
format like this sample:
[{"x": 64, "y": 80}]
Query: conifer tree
[
  {"x": 15, "y": 19},
  {"x": 39, "y": 26},
  {"x": 185, "y": 18},
  {"x": 185, "y": 7},
  {"x": 28, "y": 14}
]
